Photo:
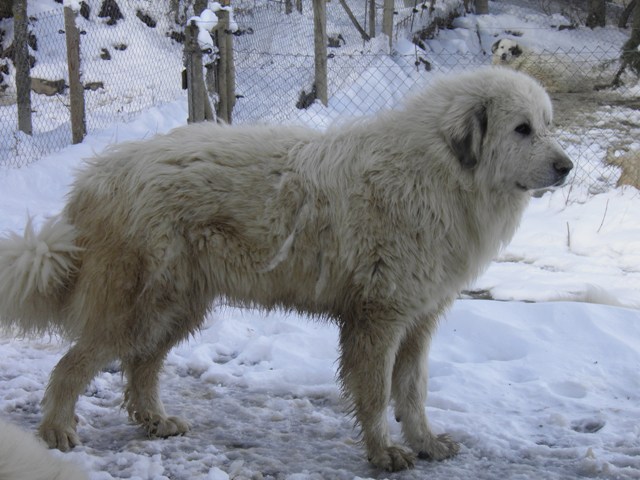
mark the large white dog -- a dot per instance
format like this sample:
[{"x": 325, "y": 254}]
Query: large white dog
[
  {"x": 376, "y": 225},
  {"x": 557, "y": 72}
]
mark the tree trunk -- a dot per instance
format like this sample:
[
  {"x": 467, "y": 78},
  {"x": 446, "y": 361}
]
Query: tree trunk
[
  {"x": 21, "y": 62},
  {"x": 597, "y": 14},
  {"x": 482, "y": 7}
]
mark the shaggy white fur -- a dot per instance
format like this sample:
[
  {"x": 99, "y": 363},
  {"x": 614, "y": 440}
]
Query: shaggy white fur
[
  {"x": 376, "y": 225},
  {"x": 23, "y": 457},
  {"x": 557, "y": 72}
]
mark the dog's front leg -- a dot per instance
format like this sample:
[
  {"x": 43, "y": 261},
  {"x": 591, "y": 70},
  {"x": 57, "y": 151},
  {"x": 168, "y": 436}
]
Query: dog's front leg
[
  {"x": 409, "y": 390},
  {"x": 368, "y": 349}
]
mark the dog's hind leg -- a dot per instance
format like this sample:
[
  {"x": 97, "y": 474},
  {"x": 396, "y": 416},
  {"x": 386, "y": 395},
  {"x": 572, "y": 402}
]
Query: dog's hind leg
[
  {"x": 368, "y": 348},
  {"x": 142, "y": 398},
  {"x": 409, "y": 390},
  {"x": 69, "y": 379}
]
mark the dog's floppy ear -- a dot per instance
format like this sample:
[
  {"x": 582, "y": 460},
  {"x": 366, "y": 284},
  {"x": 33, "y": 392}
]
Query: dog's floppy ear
[
  {"x": 516, "y": 51},
  {"x": 495, "y": 46},
  {"x": 464, "y": 128}
]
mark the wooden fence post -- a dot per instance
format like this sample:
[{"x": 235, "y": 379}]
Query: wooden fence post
[
  {"x": 76, "y": 91},
  {"x": 387, "y": 21},
  {"x": 21, "y": 59},
  {"x": 226, "y": 76},
  {"x": 197, "y": 98},
  {"x": 372, "y": 18},
  {"x": 320, "y": 47}
]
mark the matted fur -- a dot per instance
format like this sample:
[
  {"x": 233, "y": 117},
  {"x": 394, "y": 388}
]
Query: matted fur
[{"x": 376, "y": 225}]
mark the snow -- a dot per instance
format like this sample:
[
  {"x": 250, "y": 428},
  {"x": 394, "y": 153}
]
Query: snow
[
  {"x": 531, "y": 390},
  {"x": 206, "y": 22},
  {"x": 72, "y": 4}
]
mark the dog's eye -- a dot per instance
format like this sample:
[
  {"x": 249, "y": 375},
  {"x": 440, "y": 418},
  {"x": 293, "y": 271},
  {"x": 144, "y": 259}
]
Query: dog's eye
[{"x": 523, "y": 129}]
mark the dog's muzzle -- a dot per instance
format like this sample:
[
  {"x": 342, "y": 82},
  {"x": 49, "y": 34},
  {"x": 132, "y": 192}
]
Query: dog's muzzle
[{"x": 562, "y": 165}]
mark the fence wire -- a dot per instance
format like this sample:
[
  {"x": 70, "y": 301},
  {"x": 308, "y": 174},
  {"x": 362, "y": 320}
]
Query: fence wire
[
  {"x": 597, "y": 125},
  {"x": 128, "y": 64},
  {"x": 135, "y": 66}
]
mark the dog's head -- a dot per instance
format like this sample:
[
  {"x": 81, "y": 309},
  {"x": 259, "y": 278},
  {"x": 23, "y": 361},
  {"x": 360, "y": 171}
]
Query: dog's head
[
  {"x": 505, "y": 50},
  {"x": 498, "y": 126}
]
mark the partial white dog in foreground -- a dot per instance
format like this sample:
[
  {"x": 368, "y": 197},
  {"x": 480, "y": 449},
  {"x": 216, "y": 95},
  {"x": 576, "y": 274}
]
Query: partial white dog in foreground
[
  {"x": 557, "y": 72},
  {"x": 376, "y": 225},
  {"x": 23, "y": 457}
]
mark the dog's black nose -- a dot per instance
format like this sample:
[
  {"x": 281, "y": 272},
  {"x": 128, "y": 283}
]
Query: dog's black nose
[
  {"x": 504, "y": 56},
  {"x": 563, "y": 165}
]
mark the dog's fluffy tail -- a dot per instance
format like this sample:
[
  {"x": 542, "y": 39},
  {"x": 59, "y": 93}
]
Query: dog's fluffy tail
[{"x": 36, "y": 272}]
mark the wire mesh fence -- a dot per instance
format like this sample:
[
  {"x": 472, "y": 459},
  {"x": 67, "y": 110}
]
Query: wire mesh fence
[
  {"x": 597, "y": 125},
  {"x": 130, "y": 66},
  {"x": 126, "y": 68}
]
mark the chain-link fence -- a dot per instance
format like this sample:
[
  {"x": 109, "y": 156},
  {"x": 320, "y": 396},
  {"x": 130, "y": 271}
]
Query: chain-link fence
[
  {"x": 274, "y": 66},
  {"x": 126, "y": 67},
  {"x": 598, "y": 126}
]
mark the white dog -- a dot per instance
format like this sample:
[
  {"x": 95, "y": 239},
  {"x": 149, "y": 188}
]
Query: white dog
[
  {"x": 556, "y": 72},
  {"x": 23, "y": 457},
  {"x": 376, "y": 225}
]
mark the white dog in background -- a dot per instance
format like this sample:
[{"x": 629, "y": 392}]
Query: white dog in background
[
  {"x": 556, "y": 71},
  {"x": 24, "y": 457},
  {"x": 376, "y": 225}
]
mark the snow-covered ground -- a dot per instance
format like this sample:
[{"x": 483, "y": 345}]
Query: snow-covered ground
[
  {"x": 531, "y": 390},
  {"x": 545, "y": 390}
]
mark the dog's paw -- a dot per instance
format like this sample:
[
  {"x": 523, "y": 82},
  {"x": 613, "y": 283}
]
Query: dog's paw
[
  {"x": 167, "y": 427},
  {"x": 62, "y": 438},
  {"x": 438, "y": 448},
  {"x": 393, "y": 458}
]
